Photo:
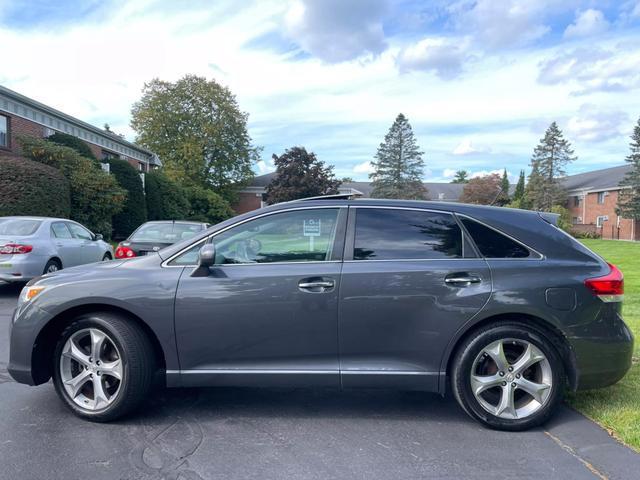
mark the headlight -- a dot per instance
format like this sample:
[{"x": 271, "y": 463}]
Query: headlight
[{"x": 28, "y": 293}]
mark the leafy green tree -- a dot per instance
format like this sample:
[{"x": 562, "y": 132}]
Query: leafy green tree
[
  {"x": 95, "y": 195},
  {"x": 629, "y": 198},
  {"x": 198, "y": 130},
  {"x": 548, "y": 162},
  {"x": 398, "y": 166},
  {"x": 166, "y": 198},
  {"x": 72, "y": 142},
  {"x": 461, "y": 176},
  {"x": 134, "y": 212},
  {"x": 483, "y": 190},
  {"x": 299, "y": 175},
  {"x": 206, "y": 206}
]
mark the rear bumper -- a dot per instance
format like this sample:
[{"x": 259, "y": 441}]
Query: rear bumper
[
  {"x": 21, "y": 268},
  {"x": 603, "y": 360}
]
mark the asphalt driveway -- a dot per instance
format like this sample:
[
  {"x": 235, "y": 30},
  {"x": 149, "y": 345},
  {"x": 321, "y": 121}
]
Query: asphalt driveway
[{"x": 289, "y": 434}]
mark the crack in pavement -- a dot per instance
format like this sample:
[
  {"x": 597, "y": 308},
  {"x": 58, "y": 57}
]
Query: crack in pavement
[{"x": 573, "y": 453}]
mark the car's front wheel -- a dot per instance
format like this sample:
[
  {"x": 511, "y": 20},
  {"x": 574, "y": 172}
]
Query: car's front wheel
[
  {"x": 508, "y": 376},
  {"x": 103, "y": 366}
]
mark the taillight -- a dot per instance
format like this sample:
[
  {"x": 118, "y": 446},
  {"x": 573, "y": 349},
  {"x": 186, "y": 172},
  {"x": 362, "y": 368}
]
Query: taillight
[
  {"x": 124, "y": 252},
  {"x": 609, "y": 287},
  {"x": 14, "y": 249}
]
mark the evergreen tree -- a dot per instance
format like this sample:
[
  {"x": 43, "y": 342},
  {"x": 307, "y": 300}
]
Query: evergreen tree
[
  {"x": 300, "y": 175},
  {"x": 461, "y": 176},
  {"x": 520, "y": 186},
  {"x": 503, "y": 197},
  {"x": 548, "y": 163},
  {"x": 629, "y": 198},
  {"x": 398, "y": 165}
]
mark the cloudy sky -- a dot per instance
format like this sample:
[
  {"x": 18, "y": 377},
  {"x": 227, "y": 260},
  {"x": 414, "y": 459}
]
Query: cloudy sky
[{"x": 479, "y": 80}]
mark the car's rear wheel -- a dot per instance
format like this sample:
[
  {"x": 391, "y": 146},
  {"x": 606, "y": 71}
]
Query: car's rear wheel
[
  {"x": 508, "y": 376},
  {"x": 52, "y": 266},
  {"x": 103, "y": 366},
  {"x": 107, "y": 257}
]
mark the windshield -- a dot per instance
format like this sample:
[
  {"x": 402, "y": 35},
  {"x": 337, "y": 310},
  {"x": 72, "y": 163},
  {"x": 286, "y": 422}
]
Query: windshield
[
  {"x": 19, "y": 226},
  {"x": 165, "y": 232}
]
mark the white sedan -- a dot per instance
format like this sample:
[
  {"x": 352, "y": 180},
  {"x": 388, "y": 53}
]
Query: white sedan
[{"x": 33, "y": 246}]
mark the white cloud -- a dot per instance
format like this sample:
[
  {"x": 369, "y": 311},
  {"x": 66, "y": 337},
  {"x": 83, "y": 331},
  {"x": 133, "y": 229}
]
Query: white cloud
[
  {"x": 444, "y": 56},
  {"x": 594, "y": 124},
  {"x": 364, "y": 167},
  {"x": 265, "y": 166},
  {"x": 589, "y": 22},
  {"x": 504, "y": 23},
  {"x": 594, "y": 69},
  {"x": 467, "y": 147},
  {"x": 337, "y": 30},
  {"x": 449, "y": 173}
]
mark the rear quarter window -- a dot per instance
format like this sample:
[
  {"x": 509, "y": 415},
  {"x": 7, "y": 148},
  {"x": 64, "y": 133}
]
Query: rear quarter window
[{"x": 493, "y": 244}]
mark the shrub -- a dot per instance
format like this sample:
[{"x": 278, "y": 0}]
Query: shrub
[
  {"x": 134, "y": 211},
  {"x": 70, "y": 141},
  {"x": 206, "y": 205},
  {"x": 95, "y": 195},
  {"x": 564, "y": 222},
  {"x": 31, "y": 188},
  {"x": 166, "y": 199}
]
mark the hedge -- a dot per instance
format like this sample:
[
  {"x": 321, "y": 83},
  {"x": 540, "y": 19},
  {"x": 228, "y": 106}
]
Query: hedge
[
  {"x": 31, "y": 188},
  {"x": 70, "y": 141},
  {"x": 134, "y": 212},
  {"x": 95, "y": 195}
]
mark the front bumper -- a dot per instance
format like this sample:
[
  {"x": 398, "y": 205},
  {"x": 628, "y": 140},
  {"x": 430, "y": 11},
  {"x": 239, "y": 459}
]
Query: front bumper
[{"x": 23, "y": 336}]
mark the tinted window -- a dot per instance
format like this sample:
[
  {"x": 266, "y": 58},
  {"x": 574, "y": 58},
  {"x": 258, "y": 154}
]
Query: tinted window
[
  {"x": 80, "y": 232},
  {"x": 21, "y": 227},
  {"x": 493, "y": 244},
  {"x": 60, "y": 230},
  {"x": 390, "y": 234},
  {"x": 170, "y": 232}
]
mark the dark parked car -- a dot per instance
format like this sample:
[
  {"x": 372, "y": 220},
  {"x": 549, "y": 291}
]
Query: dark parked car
[
  {"x": 153, "y": 236},
  {"x": 499, "y": 306}
]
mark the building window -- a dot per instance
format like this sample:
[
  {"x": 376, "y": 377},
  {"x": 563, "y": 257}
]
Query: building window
[
  {"x": 576, "y": 201},
  {"x": 4, "y": 131},
  {"x": 601, "y": 196},
  {"x": 106, "y": 155},
  {"x": 600, "y": 220}
]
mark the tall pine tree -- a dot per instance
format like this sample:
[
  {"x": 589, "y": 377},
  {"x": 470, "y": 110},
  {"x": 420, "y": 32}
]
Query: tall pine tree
[
  {"x": 629, "y": 198},
  {"x": 548, "y": 163},
  {"x": 503, "y": 196},
  {"x": 398, "y": 165},
  {"x": 519, "y": 191},
  {"x": 461, "y": 176}
]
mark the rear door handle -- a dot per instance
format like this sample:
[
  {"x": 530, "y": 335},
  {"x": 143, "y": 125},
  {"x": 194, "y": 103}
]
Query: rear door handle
[
  {"x": 316, "y": 285},
  {"x": 462, "y": 280}
]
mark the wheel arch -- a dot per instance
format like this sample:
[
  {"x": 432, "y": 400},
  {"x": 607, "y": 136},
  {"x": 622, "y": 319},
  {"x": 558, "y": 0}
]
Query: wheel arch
[
  {"x": 57, "y": 259},
  {"x": 44, "y": 346},
  {"x": 558, "y": 339}
]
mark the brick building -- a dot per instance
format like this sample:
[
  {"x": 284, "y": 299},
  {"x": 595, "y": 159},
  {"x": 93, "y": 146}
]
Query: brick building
[
  {"x": 20, "y": 115},
  {"x": 593, "y": 201}
]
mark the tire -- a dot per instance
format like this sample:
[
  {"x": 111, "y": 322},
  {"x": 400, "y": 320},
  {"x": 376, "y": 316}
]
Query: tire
[
  {"x": 124, "y": 340},
  {"x": 52, "y": 266},
  {"x": 106, "y": 257},
  {"x": 502, "y": 400}
]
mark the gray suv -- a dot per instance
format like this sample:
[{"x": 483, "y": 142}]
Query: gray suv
[{"x": 497, "y": 306}]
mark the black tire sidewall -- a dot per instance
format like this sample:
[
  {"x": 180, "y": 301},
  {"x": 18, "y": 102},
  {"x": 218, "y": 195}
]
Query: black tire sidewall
[
  {"x": 102, "y": 324},
  {"x": 51, "y": 262},
  {"x": 464, "y": 364}
]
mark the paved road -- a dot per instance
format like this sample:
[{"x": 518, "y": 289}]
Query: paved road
[{"x": 288, "y": 434}]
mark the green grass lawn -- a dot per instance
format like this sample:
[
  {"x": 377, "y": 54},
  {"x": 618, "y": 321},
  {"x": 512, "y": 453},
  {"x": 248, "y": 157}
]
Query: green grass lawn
[{"x": 617, "y": 408}]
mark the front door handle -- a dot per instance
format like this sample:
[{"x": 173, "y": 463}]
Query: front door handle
[
  {"x": 316, "y": 285},
  {"x": 461, "y": 280}
]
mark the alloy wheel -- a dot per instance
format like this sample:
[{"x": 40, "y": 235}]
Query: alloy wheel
[
  {"x": 511, "y": 378},
  {"x": 52, "y": 268},
  {"x": 91, "y": 369}
]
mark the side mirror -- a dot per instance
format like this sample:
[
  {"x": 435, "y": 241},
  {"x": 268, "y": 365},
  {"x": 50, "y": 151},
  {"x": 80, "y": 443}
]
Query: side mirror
[
  {"x": 97, "y": 236},
  {"x": 206, "y": 259}
]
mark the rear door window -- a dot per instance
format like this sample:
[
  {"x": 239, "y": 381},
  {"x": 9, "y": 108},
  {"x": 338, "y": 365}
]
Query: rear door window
[
  {"x": 493, "y": 244},
  {"x": 60, "y": 230},
  {"x": 396, "y": 234},
  {"x": 80, "y": 232}
]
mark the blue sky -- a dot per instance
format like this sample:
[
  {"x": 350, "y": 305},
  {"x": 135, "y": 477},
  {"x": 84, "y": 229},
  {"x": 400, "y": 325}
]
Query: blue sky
[{"x": 479, "y": 80}]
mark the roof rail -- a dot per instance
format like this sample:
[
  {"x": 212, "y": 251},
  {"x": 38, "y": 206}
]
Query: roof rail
[{"x": 338, "y": 196}]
